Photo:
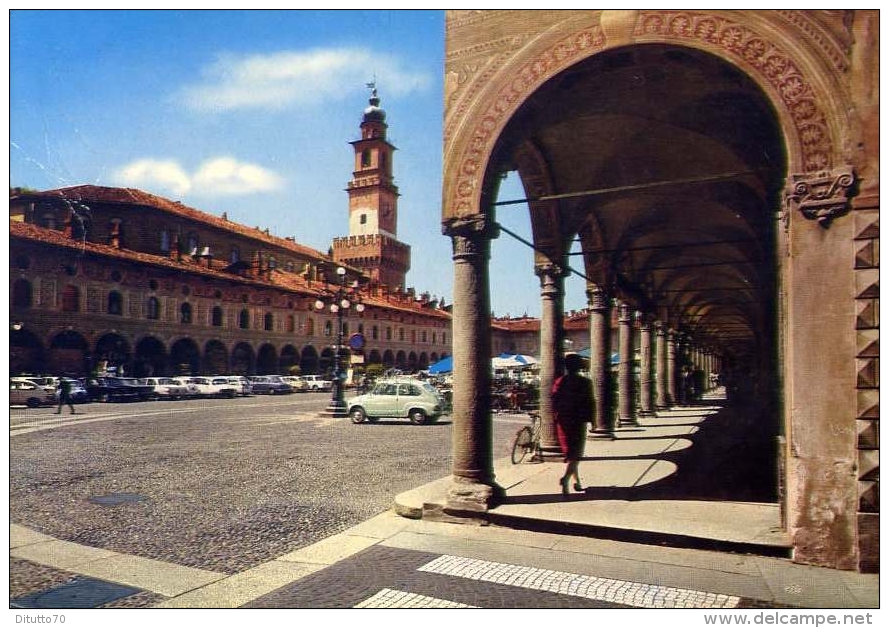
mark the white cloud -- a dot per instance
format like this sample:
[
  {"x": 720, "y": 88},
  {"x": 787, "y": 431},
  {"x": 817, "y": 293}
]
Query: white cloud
[
  {"x": 287, "y": 78},
  {"x": 219, "y": 176},
  {"x": 226, "y": 176},
  {"x": 166, "y": 174}
]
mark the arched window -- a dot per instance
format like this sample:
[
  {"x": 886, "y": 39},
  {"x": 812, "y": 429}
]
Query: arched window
[
  {"x": 365, "y": 158},
  {"x": 310, "y": 327},
  {"x": 185, "y": 313},
  {"x": 268, "y": 322},
  {"x": 423, "y": 336},
  {"x": 244, "y": 319},
  {"x": 328, "y": 328},
  {"x": 345, "y": 329},
  {"x": 216, "y": 316},
  {"x": 388, "y": 333},
  {"x": 291, "y": 323},
  {"x": 193, "y": 242},
  {"x": 375, "y": 332},
  {"x": 235, "y": 256},
  {"x": 115, "y": 303},
  {"x": 70, "y": 299},
  {"x": 21, "y": 293},
  {"x": 401, "y": 334},
  {"x": 153, "y": 308}
]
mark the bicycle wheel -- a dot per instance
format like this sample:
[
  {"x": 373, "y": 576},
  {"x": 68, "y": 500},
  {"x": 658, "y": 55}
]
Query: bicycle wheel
[{"x": 522, "y": 444}]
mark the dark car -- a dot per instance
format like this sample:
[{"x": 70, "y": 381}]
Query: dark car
[
  {"x": 118, "y": 389},
  {"x": 270, "y": 385}
]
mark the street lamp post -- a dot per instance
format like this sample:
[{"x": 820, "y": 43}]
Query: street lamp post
[{"x": 339, "y": 305}]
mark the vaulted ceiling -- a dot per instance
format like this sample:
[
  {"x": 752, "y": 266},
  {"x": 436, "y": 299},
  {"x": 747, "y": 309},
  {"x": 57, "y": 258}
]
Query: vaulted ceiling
[{"x": 667, "y": 164}]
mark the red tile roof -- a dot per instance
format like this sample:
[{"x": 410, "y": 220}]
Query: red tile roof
[{"x": 87, "y": 194}]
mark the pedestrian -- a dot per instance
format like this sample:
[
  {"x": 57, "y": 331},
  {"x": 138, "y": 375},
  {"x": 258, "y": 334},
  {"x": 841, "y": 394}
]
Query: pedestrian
[
  {"x": 65, "y": 395},
  {"x": 572, "y": 396}
]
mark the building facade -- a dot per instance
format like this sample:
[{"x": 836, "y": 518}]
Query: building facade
[{"x": 109, "y": 277}]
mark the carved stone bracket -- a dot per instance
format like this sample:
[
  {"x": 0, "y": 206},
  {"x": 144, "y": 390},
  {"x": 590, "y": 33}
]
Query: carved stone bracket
[{"x": 822, "y": 196}]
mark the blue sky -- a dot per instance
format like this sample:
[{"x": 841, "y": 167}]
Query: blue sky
[{"x": 249, "y": 113}]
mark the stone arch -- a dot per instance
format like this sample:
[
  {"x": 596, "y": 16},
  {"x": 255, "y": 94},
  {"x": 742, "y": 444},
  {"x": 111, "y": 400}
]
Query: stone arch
[
  {"x": 308, "y": 360},
  {"x": 150, "y": 358},
  {"x": 289, "y": 357},
  {"x": 808, "y": 109},
  {"x": 242, "y": 359},
  {"x": 26, "y": 353},
  {"x": 215, "y": 358},
  {"x": 267, "y": 360},
  {"x": 113, "y": 350},
  {"x": 185, "y": 357}
]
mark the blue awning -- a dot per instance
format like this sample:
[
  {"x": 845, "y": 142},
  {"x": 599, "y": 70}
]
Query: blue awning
[{"x": 445, "y": 365}]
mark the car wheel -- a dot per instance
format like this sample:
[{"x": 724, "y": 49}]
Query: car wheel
[
  {"x": 417, "y": 416},
  {"x": 357, "y": 415},
  {"x": 33, "y": 402}
]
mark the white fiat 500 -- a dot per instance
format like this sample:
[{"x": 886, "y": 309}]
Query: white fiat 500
[{"x": 402, "y": 398}]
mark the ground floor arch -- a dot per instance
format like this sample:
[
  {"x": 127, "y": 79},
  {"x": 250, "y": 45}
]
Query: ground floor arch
[
  {"x": 215, "y": 359},
  {"x": 308, "y": 360},
  {"x": 112, "y": 353},
  {"x": 242, "y": 359},
  {"x": 150, "y": 358},
  {"x": 267, "y": 360},
  {"x": 26, "y": 353},
  {"x": 185, "y": 357}
]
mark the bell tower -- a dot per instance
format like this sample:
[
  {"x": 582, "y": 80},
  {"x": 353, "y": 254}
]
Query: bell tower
[{"x": 372, "y": 243}]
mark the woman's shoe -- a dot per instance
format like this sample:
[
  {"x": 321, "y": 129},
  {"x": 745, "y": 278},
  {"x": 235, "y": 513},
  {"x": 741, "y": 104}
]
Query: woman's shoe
[
  {"x": 564, "y": 484},
  {"x": 578, "y": 487}
]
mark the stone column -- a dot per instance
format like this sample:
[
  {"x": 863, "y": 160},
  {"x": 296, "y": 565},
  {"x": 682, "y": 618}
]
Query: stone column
[
  {"x": 626, "y": 393},
  {"x": 552, "y": 299},
  {"x": 645, "y": 391},
  {"x": 662, "y": 400},
  {"x": 473, "y": 487},
  {"x": 672, "y": 339},
  {"x": 600, "y": 362}
]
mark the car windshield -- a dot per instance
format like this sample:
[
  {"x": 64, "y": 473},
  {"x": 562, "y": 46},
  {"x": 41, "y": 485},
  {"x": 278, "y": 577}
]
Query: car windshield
[
  {"x": 167, "y": 380},
  {"x": 220, "y": 381}
]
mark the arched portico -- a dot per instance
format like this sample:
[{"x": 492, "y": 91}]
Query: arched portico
[{"x": 688, "y": 151}]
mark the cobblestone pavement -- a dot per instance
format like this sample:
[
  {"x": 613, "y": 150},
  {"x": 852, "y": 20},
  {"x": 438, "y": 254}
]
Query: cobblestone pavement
[{"x": 220, "y": 485}]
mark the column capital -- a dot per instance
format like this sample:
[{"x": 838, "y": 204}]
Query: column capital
[
  {"x": 470, "y": 235},
  {"x": 549, "y": 269},
  {"x": 599, "y": 299},
  {"x": 624, "y": 313},
  {"x": 660, "y": 328}
]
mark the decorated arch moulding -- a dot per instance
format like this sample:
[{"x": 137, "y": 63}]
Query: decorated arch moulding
[{"x": 764, "y": 55}]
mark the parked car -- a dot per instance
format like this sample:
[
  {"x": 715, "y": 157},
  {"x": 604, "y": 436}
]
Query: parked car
[
  {"x": 77, "y": 392},
  {"x": 270, "y": 385},
  {"x": 316, "y": 382},
  {"x": 191, "y": 390},
  {"x": 166, "y": 388},
  {"x": 29, "y": 394},
  {"x": 214, "y": 386},
  {"x": 242, "y": 385},
  {"x": 398, "y": 397},
  {"x": 297, "y": 383},
  {"x": 117, "y": 389}
]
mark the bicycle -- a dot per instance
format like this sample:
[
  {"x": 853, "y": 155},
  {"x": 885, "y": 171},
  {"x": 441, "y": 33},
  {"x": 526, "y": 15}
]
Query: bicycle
[{"x": 527, "y": 441}]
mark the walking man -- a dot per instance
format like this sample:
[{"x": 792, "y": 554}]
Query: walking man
[{"x": 65, "y": 395}]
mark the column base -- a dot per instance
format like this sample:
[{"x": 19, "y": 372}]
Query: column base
[
  {"x": 628, "y": 422},
  {"x": 600, "y": 435},
  {"x": 468, "y": 496},
  {"x": 647, "y": 413}
]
